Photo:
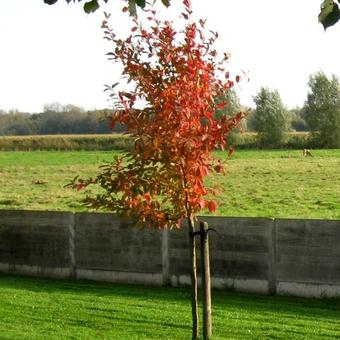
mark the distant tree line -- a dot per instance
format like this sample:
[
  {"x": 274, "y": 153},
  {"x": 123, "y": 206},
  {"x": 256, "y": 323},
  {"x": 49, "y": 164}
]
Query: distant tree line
[
  {"x": 272, "y": 121},
  {"x": 56, "y": 119}
]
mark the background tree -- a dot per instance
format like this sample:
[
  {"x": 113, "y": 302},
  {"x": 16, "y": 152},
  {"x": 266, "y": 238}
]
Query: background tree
[
  {"x": 58, "y": 119},
  {"x": 298, "y": 122},
  {"x": 322, "y": 109},
  {"x": 177, "y": 75},
  {"x": 271, "y": 119},
  {"x": 231, "y": 108},
  {"x": 16, "y": 123}
]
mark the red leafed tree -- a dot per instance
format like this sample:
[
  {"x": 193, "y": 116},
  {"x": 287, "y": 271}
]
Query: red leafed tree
[{"x": 177, "y": 76}]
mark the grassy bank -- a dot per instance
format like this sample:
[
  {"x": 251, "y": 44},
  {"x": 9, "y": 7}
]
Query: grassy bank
[
  {"x": 247, "y": 140},
  {"x": 39, "y": 309},
  {"x": 275, "y": 183},
  {"x": 65, "y": 143}
]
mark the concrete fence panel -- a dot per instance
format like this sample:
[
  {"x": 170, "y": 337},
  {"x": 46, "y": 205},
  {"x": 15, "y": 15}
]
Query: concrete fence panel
[
  {"x": 283, "y": 256},
  {"x": 112, "y": 249},
  {"x": 308, "y": 257},
  {"x": 35, "y": 243},
  {"x": 240, "y": 253}
]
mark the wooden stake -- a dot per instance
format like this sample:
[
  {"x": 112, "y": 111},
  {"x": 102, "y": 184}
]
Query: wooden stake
[{"x": 194, "y": 295}]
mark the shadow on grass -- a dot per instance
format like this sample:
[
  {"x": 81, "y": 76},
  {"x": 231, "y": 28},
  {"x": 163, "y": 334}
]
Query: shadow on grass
[{"x": 291, "y": 307}]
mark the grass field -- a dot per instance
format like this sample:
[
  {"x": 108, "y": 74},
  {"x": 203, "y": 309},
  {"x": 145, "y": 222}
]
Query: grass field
[
  {"x": 259, "y": 183},
  {"x": 39, "y": 309}
]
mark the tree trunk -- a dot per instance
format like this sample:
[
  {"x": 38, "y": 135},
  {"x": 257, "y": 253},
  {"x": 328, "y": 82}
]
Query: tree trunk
[
  {"x": 206, "y": 284},
  {"x": 194, "y": 304}
]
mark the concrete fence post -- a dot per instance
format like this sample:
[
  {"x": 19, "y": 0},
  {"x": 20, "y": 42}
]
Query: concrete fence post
[
  {"x": 165, "y": 257},
  {"x": 272, "y": 259},
  {"x": 206, "y": 283},
  {"x": 71, "y": 235}
]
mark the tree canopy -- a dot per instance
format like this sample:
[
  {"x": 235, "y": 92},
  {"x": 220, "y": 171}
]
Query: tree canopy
[
  {"x": 329, "y": 12},
  {"x": 271, "y": 118},
  {"x": 92, "y": 5},
  {"x": 175, "y": 75},
  {"x": 322, "y": 109}
]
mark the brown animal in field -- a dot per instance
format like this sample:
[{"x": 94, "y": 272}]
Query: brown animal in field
[{"x": 307, "y": 153}]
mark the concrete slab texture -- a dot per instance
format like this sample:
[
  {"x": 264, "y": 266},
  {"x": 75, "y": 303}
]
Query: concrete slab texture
[{"x": 268, "y": 256}]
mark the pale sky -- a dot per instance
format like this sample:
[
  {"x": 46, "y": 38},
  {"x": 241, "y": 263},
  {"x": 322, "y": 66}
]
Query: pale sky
[{"x": 57, "y": 54}]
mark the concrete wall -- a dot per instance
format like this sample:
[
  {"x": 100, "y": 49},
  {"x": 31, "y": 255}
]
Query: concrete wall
[
  {"x": 295, "y": 257},
  {"x": 240, "y": 251},
  {"x": 308, "y": 257},
  {"x": 111, "y": 249},
  {"x": 35, "y": 243}
]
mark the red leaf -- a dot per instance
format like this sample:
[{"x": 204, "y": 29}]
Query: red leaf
[
  {"x": 187, "y": 3},
  {"x": 80, "y": 185},
  {"x": 147, "y": 197},
  {"x": 202, "y": 171},
  {"x": 201, "y": 203},
  {"x": 208, "y": 114},
  {"x": 221, "y": 105},
  {"x": 230, "y": 83},
  {"x": 212, "y": 206}
]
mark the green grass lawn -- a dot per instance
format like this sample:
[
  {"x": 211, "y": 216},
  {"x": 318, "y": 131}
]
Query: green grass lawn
[
  {"x": 276, "y": 183},
  {"x": 33, "y": 308}
]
